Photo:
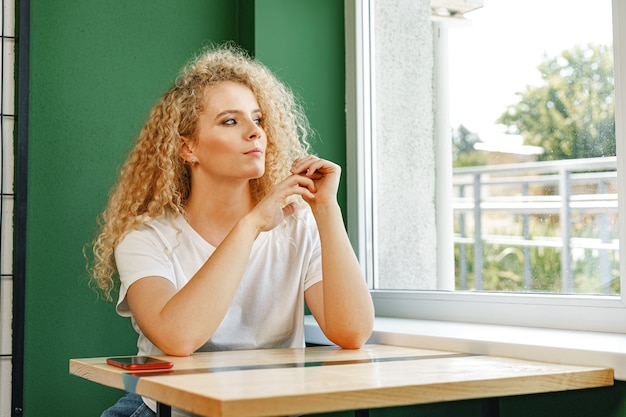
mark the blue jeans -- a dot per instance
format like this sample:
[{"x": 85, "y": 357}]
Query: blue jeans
[{"x": 130, "y": 405}]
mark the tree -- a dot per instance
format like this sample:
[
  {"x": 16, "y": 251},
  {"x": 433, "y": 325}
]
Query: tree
[
  {"x": 463, "y": 152},
  {"x": 571, "y": 113}
]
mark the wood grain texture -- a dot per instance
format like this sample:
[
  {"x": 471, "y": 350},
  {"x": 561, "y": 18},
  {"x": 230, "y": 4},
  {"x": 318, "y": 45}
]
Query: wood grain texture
[{"x": 207, "y": 384}]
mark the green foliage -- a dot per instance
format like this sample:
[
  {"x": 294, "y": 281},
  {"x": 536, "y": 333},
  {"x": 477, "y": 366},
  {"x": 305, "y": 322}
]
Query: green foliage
[
  {"x": 504, "y": 267},
  {"x": 463, "y": 152},
  {"x": 571, "y": 113}
]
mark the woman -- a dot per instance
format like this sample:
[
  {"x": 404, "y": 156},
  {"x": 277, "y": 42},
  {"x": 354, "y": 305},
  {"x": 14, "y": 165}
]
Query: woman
[{"x": 221, "y": 226}]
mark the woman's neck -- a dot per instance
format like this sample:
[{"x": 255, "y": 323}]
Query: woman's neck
[{"x": 213, "y": 213}]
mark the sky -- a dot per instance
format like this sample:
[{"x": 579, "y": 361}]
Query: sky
[{"x": 500, "y": 46}]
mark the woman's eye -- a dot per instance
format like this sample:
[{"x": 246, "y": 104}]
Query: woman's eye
[
  {"x": 258, "y": 120},
  {"x": 230, "y": 122}
]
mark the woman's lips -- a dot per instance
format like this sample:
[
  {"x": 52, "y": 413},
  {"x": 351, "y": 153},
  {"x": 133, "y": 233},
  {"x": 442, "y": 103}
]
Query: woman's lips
[{"x": 256, "y": 152}]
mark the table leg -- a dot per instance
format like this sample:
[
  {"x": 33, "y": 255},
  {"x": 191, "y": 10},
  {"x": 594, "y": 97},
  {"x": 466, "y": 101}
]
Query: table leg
[
  {"x": 362, "y": 413},
  {"x": 163, "y": 410},
  {"x": 491, "y": 407}
]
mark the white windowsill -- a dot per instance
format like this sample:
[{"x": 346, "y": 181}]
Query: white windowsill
[{"x": 548, "y": 345}]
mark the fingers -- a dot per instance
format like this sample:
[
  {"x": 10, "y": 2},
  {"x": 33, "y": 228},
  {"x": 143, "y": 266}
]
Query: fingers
[
  {"x": 290, "y": 209},
  {"x": 292, "y": 185},
  {"x": 299, "y": 184},
  {"x": 323, "y": 177},
  {"x": 312, "y": 178},
  {"x": 270, "y": 211},
  {"x": 313, "y": 167}
]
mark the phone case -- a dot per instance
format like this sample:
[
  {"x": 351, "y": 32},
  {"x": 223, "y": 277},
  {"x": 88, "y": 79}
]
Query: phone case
[{"x": 137, "y": 363}]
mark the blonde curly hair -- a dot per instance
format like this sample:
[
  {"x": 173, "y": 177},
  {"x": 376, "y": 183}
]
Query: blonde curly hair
[{"x": 155, "y": 181}]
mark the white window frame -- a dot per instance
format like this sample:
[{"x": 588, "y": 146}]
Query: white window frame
[{"x": 584, "y": 313}]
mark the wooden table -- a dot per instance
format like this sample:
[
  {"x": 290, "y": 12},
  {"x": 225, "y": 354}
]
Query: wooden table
[{"x": 277, "y": 382}]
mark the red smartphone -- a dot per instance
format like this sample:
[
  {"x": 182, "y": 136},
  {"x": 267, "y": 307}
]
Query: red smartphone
[{"x": 138, "y": 363}]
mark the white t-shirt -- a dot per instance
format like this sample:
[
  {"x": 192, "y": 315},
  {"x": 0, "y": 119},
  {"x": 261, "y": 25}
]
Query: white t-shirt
[{"x": 268, "y": 308}]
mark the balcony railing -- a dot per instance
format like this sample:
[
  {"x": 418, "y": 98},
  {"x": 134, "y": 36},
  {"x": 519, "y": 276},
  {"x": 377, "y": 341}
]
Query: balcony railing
[{"x": 491, "y": 201}]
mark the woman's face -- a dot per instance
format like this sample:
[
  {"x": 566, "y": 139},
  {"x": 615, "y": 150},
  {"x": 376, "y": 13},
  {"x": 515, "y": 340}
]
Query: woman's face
[{"x": 230, "y": 143}]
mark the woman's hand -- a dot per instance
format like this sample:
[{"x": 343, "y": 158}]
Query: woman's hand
[
  {"x": 324, "y": 175},
  {"x": 271, "y": 210},
  {"x": 315, "y": 180}
]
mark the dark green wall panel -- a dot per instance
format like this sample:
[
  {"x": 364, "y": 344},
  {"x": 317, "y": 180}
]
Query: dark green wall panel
[
  {"x": 303, "y": 42},
  {"x": 597, "y": 402},
  {"x": 604, "y": 402}
]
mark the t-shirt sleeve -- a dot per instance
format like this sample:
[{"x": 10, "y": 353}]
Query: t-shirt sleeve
[
  {"x": 314, "y": 271},
  {"x": 140, "y": 254}
]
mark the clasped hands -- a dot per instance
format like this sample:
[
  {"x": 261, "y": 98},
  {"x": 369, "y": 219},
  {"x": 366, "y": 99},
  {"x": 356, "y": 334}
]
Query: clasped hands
[{"x": 316, "y": 180}]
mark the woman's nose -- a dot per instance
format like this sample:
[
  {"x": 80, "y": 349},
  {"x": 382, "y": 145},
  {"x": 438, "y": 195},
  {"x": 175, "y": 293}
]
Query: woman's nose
[{"x": 255, "y": 131}]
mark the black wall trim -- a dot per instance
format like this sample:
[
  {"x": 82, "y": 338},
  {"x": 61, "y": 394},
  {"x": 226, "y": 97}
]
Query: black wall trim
[{"x": 21, "y": 188}]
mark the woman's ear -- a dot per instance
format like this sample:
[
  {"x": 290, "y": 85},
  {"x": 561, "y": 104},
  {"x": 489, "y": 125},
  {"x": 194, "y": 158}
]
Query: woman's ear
[{"x": 186, "y": 152}]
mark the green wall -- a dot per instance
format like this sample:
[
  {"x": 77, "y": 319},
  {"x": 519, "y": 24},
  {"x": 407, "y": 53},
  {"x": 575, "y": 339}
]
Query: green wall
[
  {"x": 97, "y": 66},
  {"x": 303, "y": 42}
]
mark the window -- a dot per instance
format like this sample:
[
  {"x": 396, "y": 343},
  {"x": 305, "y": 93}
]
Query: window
[{"x": 528, "y": 237}]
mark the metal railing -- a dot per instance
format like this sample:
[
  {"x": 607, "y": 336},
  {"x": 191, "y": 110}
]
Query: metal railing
[{"x": 519, "y": 195}]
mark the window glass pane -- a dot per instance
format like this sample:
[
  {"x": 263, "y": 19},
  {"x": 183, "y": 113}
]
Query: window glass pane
[{"x": 530, "y": 106}]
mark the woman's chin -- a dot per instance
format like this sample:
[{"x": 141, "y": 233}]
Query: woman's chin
[{"x": 256, "y": 174}]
